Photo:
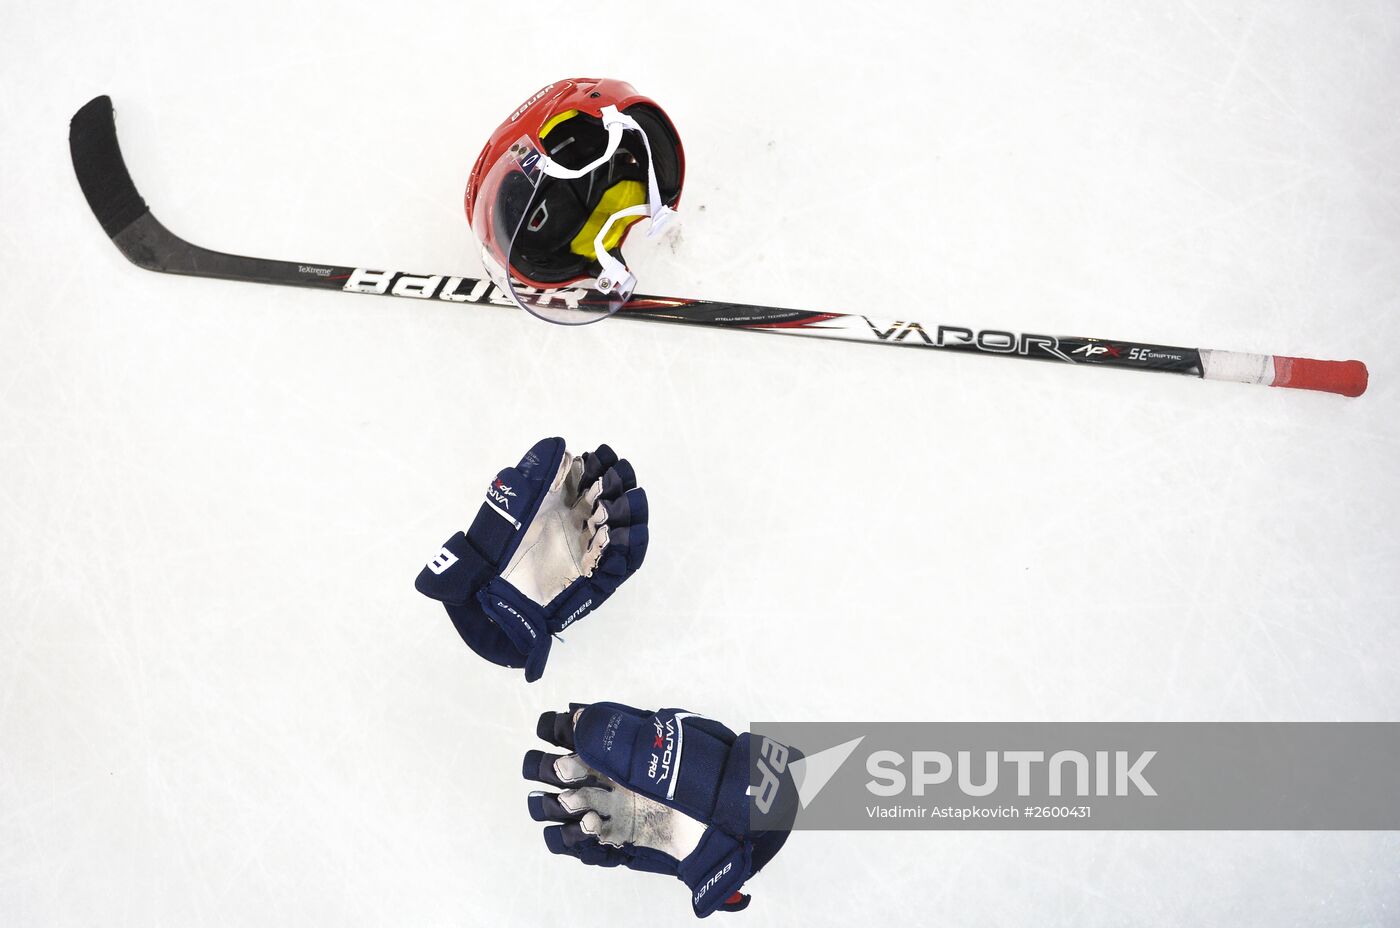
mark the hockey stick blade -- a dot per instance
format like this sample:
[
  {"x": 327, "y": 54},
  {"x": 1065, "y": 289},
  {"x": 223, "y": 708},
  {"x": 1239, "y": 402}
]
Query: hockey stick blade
[
  {"x": 127, "y": 220},
  {"x": 124, "y": 216}
]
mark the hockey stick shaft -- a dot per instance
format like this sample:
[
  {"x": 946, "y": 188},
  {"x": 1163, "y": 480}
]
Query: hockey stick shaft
[{"x": 125, "y": 218}]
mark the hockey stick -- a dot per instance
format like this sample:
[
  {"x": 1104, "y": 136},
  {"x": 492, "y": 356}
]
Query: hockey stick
[{"x": 124, "y": 216}]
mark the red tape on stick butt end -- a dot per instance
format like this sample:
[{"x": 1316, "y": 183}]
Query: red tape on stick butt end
[{"x": 1348, "y": 378}]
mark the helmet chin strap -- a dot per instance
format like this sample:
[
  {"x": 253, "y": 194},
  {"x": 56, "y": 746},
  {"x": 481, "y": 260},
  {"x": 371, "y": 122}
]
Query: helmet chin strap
[{"x": 615, "y": 277}]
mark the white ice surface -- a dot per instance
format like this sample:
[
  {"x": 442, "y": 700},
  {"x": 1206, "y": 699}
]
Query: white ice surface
[{"x": 221, "y": 701}]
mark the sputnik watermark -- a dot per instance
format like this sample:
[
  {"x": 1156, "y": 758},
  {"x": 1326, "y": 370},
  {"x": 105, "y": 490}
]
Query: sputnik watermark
[
  {"x": 1084, "y": 775},
  {"x": 1116, "y": 772}
]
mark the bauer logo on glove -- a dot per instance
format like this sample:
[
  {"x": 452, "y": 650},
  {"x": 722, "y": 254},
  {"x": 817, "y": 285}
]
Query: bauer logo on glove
[{"x": 555, "y": 537}]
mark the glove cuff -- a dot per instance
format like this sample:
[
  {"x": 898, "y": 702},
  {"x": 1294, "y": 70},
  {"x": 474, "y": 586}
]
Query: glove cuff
[
  {"x": 715, "y": 870},
  {"x": 732, "y": 852},
  {"x": 521, "y": 620}
]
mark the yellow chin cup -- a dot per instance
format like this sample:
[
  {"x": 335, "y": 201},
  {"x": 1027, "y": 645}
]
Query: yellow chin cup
[{"x": 619, "y": 196}]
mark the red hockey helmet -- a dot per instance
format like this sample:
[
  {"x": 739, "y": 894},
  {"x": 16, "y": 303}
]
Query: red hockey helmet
[{"x": 560, "y": 184}]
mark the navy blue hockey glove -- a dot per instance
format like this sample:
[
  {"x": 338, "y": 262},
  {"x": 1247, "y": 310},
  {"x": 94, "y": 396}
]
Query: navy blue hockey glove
[
  {"x": 555, "y": 537},
  {"x": 664, "y": 792}
]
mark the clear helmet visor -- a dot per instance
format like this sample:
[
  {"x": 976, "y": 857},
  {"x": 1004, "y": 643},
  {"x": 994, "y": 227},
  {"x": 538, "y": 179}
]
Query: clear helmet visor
[{"x": 540, "y": 221}]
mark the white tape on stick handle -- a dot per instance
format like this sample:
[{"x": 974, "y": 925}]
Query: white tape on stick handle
[{"x": 1237, "y": 366}]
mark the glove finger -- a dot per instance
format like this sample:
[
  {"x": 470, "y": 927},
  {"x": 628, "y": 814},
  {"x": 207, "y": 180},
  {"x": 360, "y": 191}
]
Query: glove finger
[
  {"x": 590, "y": 494},
  {"x": 572, "y": 842},
  {"x": 595, "y": 825},
  {"x": 618, "y": 480},
  {"x": 573, "y": 836},
  {"x": 628, "y": 509},
  {"x": 545, "y": 807},
  {"x": 562, "y": 770},
  {"x": 596, "y": 545},
  {"x": 600, "y": 799},
  {"x": 599, "y": 517},
  {"x": 558, "y": 843},
  {"x": 627, "y": 549},
  {"x": 595, "y": 463},
  {"x": 587, "y": 804},
  {"x": 556, "y": 728}
]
